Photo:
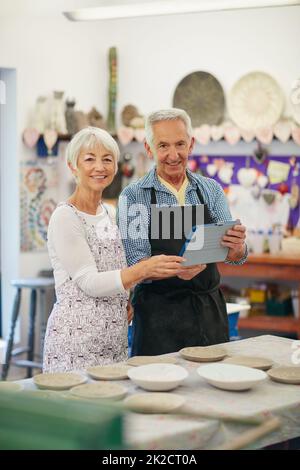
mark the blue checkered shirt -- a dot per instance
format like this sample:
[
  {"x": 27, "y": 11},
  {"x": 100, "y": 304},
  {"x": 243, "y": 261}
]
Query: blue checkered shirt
[{"x": 139, "y": 192}]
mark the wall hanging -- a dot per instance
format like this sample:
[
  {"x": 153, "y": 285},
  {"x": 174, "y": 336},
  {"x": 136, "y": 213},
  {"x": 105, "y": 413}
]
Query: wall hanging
[
  {"x": 255, "y": 101},
  {"x": 201, "y": 95},
  {"x": 38, "y": 201}
]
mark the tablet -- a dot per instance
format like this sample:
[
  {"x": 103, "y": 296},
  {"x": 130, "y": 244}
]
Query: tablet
[{"x": 203, "y": 244}]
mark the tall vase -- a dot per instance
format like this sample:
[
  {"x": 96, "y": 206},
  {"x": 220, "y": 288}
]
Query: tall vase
[
  {"x": 112, "y": 96},
  {"x": 58, "y": 120},
  {"x": 71, "y": 117},
  {"x": 40, "y": 114}
]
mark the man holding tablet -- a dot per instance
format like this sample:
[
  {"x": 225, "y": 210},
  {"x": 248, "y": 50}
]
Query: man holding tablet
[{"x": 155, "y": 216}]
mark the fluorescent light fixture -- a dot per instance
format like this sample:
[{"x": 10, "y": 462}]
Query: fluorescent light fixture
[{"x": 168, "y": 7}]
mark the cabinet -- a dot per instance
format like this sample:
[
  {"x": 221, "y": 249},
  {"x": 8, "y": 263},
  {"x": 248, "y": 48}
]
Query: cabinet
[{"x": 268, "y": 267}]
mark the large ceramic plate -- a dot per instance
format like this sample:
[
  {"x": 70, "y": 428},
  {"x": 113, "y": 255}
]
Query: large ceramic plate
[
  {"x": 109, "y": 372},
  {"x": 231, "y": 377},
  {"x": 250, "y": 361},
  {"x": 203, "y": 353},
  {"x": 286, "y": 375},
  {"x": 255, "y": 101},
  {"x": 158, "y": 377},
  {"x": 99, "y": 391},
  {"x": 154, "y": 402},
  {"x": 143, "y": 360},
  {"x": 58, "y": 380},
  {"x": 201, "y": 95}
]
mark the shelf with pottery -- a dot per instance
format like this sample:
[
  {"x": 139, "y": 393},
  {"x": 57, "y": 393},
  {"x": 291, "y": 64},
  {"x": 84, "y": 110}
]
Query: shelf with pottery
[
  {"x": 206, "y": 135},
  {"x": 274, "y": 267}
]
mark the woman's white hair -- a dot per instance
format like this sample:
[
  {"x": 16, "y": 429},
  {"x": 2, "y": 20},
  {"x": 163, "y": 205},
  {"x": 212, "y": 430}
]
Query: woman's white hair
[
  {"x": 171, "y": 114},
  {"x": 87, "y": 139}
]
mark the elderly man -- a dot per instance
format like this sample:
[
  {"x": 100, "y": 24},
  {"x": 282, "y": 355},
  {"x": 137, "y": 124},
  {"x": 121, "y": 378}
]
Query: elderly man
[{"x": 189, "y": 309}]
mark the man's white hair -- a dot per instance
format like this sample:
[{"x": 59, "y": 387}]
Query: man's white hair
[
  {"x": 87, "y": 139},
  {"x": 171, "y": 114}
]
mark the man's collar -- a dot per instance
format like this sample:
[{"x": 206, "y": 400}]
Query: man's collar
[{"x": 151, "y": 181}]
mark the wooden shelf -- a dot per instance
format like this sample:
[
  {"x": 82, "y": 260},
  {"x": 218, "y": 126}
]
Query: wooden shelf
[
  {"x": 270, "y": 267},
  {"x": 270, "y": 323}
]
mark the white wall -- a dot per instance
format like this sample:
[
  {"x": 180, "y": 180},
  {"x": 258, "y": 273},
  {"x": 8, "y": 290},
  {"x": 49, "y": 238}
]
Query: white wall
[{"x": 154, "y": 54}]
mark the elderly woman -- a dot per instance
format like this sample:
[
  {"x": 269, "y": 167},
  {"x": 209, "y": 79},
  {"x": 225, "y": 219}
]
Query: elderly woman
[{"x": 88, "y": 324}]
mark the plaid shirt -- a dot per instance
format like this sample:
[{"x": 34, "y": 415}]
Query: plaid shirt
[{"x": 139, "y": 192}]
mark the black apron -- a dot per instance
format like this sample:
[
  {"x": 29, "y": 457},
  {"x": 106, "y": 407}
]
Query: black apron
[{"x": 171, "y": 314}]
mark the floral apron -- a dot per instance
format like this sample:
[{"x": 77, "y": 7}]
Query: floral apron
[{"x": 82, "y": 330}]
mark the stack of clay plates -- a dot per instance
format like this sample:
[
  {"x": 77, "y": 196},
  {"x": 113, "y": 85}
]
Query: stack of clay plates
[
  {"x": 99, "y": 391},
  {"x": 203, "y": 353},
  {"x": 250, "y": 361},
  {"x": 112, "y": 372},
  {"x": 58, "y": 380},
  {"x": 285, "y": 374},
  {"x": 143, "y": 360}
]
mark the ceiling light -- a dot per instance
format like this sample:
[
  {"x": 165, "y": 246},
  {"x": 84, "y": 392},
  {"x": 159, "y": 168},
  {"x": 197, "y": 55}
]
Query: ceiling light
[{"x": 168, "y": 7}]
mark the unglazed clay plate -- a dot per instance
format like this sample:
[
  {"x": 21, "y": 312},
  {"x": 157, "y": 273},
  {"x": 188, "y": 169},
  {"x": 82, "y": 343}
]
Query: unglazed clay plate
[
  {"x": 285, "y": 375},
  {"x": 231, "y": 377},
  {"x": 10, "y": 387},
  {"x": 250, "y": 361},
  {"x": 109, "y": 372},
  {"x": 154, "y": 402},
  {"x": 143, "y": 360},
  {"x": 99, "y": 391},
  {"x": 158, "y": 377},
  {"x": 203, "y": 353},
  {"x": 58, "y": 380}
]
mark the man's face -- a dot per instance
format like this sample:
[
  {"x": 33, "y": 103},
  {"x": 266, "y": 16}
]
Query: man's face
[{"x": 171, "y": 148}]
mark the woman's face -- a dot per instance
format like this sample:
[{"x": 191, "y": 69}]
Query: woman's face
[{"x": 95, "y": 168}]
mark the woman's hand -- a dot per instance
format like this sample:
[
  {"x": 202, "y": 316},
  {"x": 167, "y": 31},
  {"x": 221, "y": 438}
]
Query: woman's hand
[
  {"x": 162, "y": 266},
  {"x": 130, "y": 312},
  {"x": 188, "y": 272},
  {"x": 156, "y": 267},
  {"x": 235, "y": 241}
]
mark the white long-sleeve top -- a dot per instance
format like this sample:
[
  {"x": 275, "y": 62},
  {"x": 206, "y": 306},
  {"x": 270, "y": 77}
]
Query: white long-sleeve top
[{"x": 71, "y": 256}]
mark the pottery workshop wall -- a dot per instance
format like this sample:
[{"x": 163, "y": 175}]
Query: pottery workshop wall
[{"x": 51, "y": 53}]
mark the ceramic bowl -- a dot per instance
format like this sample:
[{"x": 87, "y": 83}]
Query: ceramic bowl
[
  {"x": 231, "y": 377},
  {"x": 158, "y": 377}
]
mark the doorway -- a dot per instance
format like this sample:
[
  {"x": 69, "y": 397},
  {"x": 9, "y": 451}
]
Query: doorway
[{"x": 9, "y": 194}]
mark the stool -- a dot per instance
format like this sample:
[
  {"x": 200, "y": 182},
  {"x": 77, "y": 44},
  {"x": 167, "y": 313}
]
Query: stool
[{"x": 36, "y": 284}]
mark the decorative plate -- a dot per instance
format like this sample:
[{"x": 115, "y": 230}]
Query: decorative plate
[
  {"x": 203, "y": 353},
  {"x": 154, "y": 402},
  {"x": 248, "y": 361},
  {"x": 285, "y": 375},
  {"x": 58, "y": 380},
  {"x": 99, "y": 391},
  {"x": 112, "y": 372},
  {"x": 201, "y": 95},
  {"x": 255, "y": 101},
  {"x": 143, "y": 360}
]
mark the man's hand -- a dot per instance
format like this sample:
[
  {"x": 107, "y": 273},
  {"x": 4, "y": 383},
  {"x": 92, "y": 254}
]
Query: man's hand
[
  {"x": 235, "y": 241},
  {"x": 188, "y": 272}
]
